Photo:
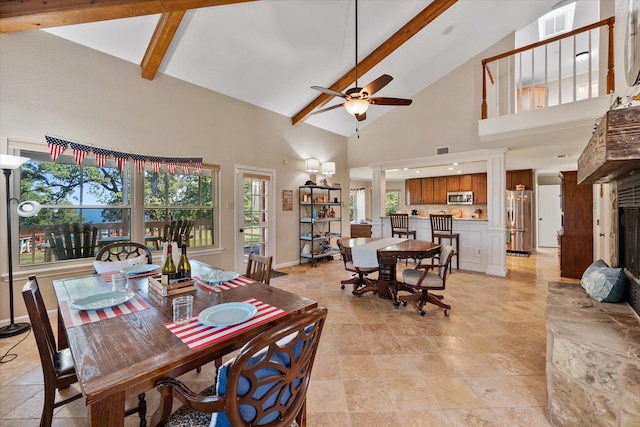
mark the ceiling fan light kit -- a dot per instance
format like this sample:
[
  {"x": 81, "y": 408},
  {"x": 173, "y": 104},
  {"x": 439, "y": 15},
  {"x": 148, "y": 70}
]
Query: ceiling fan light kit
[
  {"x": 356, "y": 106},
  {"x": 357, "y": 99}
]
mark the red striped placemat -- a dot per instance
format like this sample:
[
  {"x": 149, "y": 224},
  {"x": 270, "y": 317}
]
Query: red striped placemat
[
  {"x": 196, "y": 335},
  {"x": 73, "y": 317},
  {"x": 239, "y": 281},
  {"x": 107, "y": 275}
]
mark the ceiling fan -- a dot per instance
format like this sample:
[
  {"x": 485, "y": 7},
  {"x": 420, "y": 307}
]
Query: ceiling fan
[{"x": 357, "y": 99}]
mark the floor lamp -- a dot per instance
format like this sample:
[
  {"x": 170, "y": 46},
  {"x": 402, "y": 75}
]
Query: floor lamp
[{"x": 8, "y": 163}]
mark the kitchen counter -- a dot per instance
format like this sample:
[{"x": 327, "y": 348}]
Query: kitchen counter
[
  {"x": 455, "y": 219},
  {"x": 473, "y": 238}
]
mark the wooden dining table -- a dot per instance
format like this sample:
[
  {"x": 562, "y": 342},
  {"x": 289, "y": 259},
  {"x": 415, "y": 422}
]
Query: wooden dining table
[
  {"x": 120, "y": 357},
  {"x": 387, "y": 286}
]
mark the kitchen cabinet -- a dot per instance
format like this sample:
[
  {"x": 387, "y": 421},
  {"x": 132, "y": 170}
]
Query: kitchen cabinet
[
  {"x": 319, "y": 222},
  {"x": 479, "y": 188},
  {"x": 531, "y": 98},
  {"x": 523, "y": 176},
  {"x": 360, "y": 230},
  {"x": 576, "y": 240},
  {"x": 427, "y": 191},
  {"x": 440, "y": 190},
  {"x": 459, "y": 182},
  {"x": 414, "y": 191}
]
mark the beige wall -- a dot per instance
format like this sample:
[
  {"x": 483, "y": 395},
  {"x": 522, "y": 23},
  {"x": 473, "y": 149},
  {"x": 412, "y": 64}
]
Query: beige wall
[{"x": 50, "y": 85}]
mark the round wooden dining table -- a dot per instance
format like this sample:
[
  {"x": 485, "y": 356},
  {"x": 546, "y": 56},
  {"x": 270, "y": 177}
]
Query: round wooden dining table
[{"x": 386, "y": 286}]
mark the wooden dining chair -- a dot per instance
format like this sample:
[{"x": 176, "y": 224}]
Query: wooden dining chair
[
  {"x": 400, "y": 225},
  {"x": 259, "y": 268},
  {"x": 442, "y": 228},
  {"x": 123, "y": 250},
  {"x": 422, "y": 279},
  {"x": 265, "y": 384},
  {"x": 359, "y": 277},
  {"x": 58, "y": 369}
]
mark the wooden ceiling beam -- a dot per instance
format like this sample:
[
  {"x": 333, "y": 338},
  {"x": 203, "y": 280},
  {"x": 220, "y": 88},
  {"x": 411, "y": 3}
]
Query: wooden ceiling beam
[
  {"x": 23, "y": 15},
  {"x": 410, "y": 29},
  {"x": 160, "y": 42}
]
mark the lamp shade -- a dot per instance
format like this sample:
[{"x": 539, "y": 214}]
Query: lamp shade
[
  {"x": 356, "y": 106},
  {"x": 28, "y": 208},
  {"x": 328, "y": 168},
  {"x": 7, "y": 161},
  {"x": 312, "y": 165}
]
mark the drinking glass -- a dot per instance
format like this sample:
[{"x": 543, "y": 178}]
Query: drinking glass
[
  {"x": 182, "y": 309},
  {"x": 119, "y": 282}
]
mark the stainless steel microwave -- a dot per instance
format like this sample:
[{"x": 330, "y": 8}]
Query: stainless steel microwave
[{"x": 460, "y": 198}]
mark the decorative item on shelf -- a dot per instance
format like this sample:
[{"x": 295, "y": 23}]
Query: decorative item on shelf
[
  {"x": 520, "y": 187},
  {"x": 328, "y": 169},
  {"x": 9, "y": 163},
  {"x": 312, "y": 166}
]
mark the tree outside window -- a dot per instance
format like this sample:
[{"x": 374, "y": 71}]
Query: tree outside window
[{"x": 392, "y": 202}]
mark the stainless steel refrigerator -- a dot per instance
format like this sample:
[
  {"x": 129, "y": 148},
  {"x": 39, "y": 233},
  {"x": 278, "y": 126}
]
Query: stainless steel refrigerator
[{"x": 519, "y": 234}]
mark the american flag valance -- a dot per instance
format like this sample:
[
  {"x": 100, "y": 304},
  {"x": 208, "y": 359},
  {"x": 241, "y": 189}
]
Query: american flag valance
[{"x": 80, "y": 151}]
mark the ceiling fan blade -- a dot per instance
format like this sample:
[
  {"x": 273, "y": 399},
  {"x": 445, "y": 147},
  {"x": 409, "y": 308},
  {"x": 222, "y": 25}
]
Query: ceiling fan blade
[
  {"x": 328, "y": 108},
  {"x": 376, "y": 85},
  {"x": 328, "y": 91},
  {"x": 390, "y": 101},
  {"x": 362, "y": 116}
]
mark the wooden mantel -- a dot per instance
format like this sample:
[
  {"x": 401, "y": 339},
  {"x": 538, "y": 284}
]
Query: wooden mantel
[{"x": 613, "y": 151}]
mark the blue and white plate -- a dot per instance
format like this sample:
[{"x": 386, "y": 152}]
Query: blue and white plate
[
  {"x": 140, "y": 269},
  {"x": 227, "y": 314},
  {"x": 100, "y": 301}
]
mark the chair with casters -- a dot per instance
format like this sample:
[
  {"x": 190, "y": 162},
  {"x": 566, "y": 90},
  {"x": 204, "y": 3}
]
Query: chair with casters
[
  {"x": 259, "y": 268},
  {"x": 420, "y": 280},
  {"x": 442, "y": 228},
  {"x": 121, "y": 251},
  {"x": 265, "y": 384},
  {"x": 58, "y": 368},
  {"x": 359, "y": 277}
]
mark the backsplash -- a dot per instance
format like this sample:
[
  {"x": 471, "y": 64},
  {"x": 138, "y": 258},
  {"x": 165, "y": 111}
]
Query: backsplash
[{"x": 459, "y": 211}]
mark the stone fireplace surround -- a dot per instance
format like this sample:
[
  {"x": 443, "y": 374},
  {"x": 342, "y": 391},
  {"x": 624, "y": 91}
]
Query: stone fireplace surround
[{"x": 593, "y": 360}]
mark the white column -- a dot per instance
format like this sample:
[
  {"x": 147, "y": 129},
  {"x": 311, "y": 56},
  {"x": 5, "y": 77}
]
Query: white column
[
  {"x": 496, "y": 242},
  {"x": 378, "y": 190}
]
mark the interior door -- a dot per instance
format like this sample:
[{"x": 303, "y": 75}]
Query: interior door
[
  {"x": 255, "y": 214},
  {"x": 549, "y": 215}
]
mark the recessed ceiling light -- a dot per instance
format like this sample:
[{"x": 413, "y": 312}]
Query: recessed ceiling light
[
  {"x": 392, "y": 170},
  {"x": 417, "y": 171},
  {"x": 455, "y": 164},
  {"x": 405, "y": 169},
  {"x": 459, "y": 171},
  {"x": 451, "y": 168}
]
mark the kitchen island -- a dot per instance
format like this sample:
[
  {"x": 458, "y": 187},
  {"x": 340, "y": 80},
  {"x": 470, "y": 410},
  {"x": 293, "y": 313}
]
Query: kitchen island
[{"x": 473, "y": 238}]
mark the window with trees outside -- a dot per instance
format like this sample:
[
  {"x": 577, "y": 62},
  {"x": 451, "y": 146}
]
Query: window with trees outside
[
  {"x": 89, "y": 206},
  {"x": 392, "y": 202}
]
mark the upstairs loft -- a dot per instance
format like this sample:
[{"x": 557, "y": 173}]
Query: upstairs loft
[{"x": 555, "y": 88}]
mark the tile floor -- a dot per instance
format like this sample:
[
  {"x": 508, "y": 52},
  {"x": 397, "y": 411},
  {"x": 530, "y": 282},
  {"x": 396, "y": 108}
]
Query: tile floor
[{"x": 484, "y": 365}]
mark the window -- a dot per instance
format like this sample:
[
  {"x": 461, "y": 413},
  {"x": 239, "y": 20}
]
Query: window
[
  {"x": 356, "y": 205},
  {"x": 171, "y": 200},
  {"x": 556, "y": 22},
  {"x": 92, "y": 206},
  {"x": 392, "y": 202}
]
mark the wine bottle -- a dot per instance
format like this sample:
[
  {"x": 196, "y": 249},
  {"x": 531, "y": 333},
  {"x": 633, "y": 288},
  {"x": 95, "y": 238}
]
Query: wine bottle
[
  {"x": 184, "y": 266},
  {"x": 168, "y": 268}
]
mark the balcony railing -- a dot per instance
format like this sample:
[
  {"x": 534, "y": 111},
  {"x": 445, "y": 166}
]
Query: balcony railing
[
  {"x": 34, "y": 247},
  {"x": 559, "y": 70}
]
